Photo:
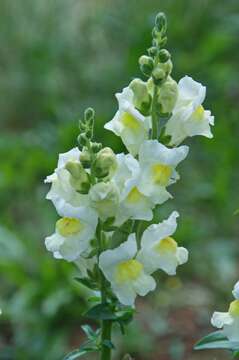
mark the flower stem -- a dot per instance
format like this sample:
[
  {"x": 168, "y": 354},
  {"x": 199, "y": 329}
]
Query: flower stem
[
  {"x": 106, "y": 325},
  {"x": 154, "y": 134}
]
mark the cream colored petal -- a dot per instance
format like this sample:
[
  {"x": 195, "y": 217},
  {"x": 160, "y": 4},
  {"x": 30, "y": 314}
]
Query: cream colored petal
[{"x": 219, "y": 319}]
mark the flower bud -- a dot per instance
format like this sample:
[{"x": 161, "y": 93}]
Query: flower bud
[
  {"x": 89, "y": 114},
  {"x": 105, "y": 163},
  {"x": 96, "y": 147},
  {"x": 104, "y": 198},
  {"x": 152, "y": 51},
  {"x": 158, "y": 75},
  {"x": 85, "y": 158},
  {"x": 236, "y": 291},
  {"x": 164, "y": 55},
  {"x": 141, "y": 98},
  {"x": 79, "y": 179},
  {"x": 167, "y": 95},
  {"x": 146, "y": 64},
  {"x": 161, "y": 22}
]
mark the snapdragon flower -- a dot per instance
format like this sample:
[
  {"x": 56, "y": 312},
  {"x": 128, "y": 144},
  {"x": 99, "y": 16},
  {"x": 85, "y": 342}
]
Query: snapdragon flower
[
  {"x": 159, "y": 250},
  {"x": 125, "y": 272},
  {"x": 157, "y": 169},
  {"x": 62, "y": 192},
  {"x": 73, "y": 233},
  {"x": 129, "y": 123},
  {"x": 189, "y": 117},
  {"x": 229, "y": 321},
  {"x": 133, "y": 204}
]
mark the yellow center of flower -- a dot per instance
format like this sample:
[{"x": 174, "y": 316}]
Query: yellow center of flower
[
  {"x": 128, "y": 270},
  {"x": 199, "y": 112},
  {"x": 69, "y": 226},
  {"x": 167, "y": 245},
  {"x": 130, "y": 122},
  {"x": 161, "y": 174},
  {"x": 234, "y": 308},
  {"x": 134, "y": 195}
]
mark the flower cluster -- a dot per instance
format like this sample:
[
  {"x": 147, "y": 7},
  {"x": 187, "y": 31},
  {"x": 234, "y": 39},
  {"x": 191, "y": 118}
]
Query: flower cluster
[
  {"x": 97, "y": 192},
  {"x": 229, "y": 321}
]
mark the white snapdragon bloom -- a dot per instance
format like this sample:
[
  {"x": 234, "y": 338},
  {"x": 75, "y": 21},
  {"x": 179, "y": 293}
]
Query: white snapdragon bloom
[
  {"x": 235, "y": 291},
  {"x": 159, "y": 250},
  {"x": 104, "y": 198},
  {"x": 125, "y": 273},
  {"x": 157, "y": 164},
  {"x": 73, "y": 233},
  {"x": 228, "y": 321},
  {"x": 129, "y": 123},
  {"x": 133, "y": 204},
  {"x": 189, "y": 117},
  {"x": 62, "y": 192}
]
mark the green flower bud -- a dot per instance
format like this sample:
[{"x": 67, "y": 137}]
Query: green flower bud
[
  {"x": 96, "y": 147},
  {"x": 142, "y": 99},
  {"x": 79, "y": 179},
  {"x": 167, "y": 95},
  {"x": 158, "y": 75},
  {"x": 104, "y": 197},
  {"x": 105, "y": 163},
  {"x": 146, "y": 64},
  {"x": 85, "y": 158},
  {"x": 89, "y": 114},
  {"x": 152, "y": 51},
  {"x": 161, "y": 22},
  {"x": 164, "y": 55}
]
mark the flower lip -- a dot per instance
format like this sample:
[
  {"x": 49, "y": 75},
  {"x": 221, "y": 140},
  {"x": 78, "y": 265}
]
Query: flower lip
[
  {"x": 128, "y": 270},
  {"x": 234, "y": 308},
  {"x": 68, "y": 226}
]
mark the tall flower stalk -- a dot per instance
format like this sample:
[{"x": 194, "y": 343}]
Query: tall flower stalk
[{"x": 103, "y": 198}]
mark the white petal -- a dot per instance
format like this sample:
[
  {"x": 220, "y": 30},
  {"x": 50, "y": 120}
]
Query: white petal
[
  {"x": 54, "y": 242},
  {"x": 232, "y": 331},
  {"x": 144, "y": 284},
  {"x": 110, "y": 258},
  {"x": 191, "y": 91},
  {"x": 125, "y": 293},
  {"x": 156, "y": 232},
  {"x": 235, "y": 291},
  {"x": 182, "y": 255},
  {"x": 219, "y": 319},
  {"x": 73, "y": 154}
]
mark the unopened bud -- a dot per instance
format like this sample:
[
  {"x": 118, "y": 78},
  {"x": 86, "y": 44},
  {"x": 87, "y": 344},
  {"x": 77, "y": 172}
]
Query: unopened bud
[
  {"x": 158, "y": 75},
  {"x": 141, "y": 99},
  {"x": 79, "y": 177},
  {"x": 146, "y": 64},
  {"x": 89, "y": 114},
  {"x": 105, "y": 163},
  {"x": 104, "y": 197},
  {"x": 167, "y": 95},
  {"x": 164, "y": 55},
  {"x": 152, "y": 51},
  {"x": 161, "y": 22},
  {"x": 96, "y": 147}
]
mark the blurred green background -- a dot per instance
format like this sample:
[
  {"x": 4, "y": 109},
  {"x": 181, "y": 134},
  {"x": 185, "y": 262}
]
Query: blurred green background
[{"x": 58, "y": 57}]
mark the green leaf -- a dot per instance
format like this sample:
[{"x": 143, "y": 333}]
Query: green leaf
[
  {"x": 88, "y": 283},
  {"x": 75, "y": 354},
  {"x": 90, "y": 333},
  {"x": 101, "y": 312},
  {"x": 214, "y": 336},
  {"x": 216, "y": 340}
]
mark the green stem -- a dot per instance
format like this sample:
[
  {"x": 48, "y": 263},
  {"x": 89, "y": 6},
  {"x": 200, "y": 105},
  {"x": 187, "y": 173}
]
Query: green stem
[
  {"x": 154, "y": 115},
  {"x": 106, "y": 325}
]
